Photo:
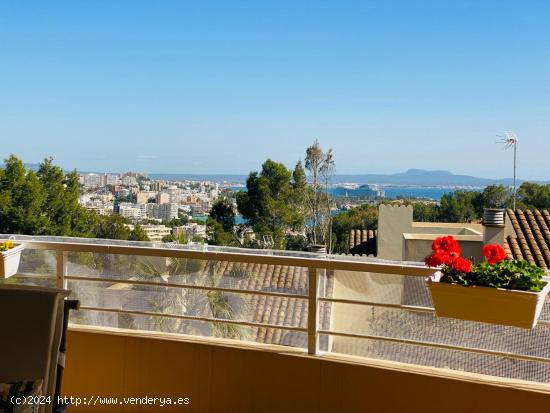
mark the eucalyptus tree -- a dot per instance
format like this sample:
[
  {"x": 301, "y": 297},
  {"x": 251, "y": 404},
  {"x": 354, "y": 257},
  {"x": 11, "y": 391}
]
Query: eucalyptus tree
[{"x": 321, "y": 166}]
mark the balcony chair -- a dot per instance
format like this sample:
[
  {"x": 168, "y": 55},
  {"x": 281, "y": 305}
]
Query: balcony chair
[{"x": 32, "y": 347}]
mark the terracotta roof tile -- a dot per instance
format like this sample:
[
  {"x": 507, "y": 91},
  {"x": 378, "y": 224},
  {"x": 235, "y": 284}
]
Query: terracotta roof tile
[
  {"x": 508, "y": 249},
  {"x": 520, "y": 237},
  {"x": 531, "y": 238},
  {"x": 544, "y": 239},
  {"x": 514, "y": 250},
  {"x": 362, "y": 242}
]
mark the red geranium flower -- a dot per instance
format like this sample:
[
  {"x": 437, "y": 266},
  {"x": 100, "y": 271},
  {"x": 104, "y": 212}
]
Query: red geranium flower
[
  {"x": 461, "y": 264},
  {"x": 437, "y": 258},
  {"x": 447, "y": 245},
  {"x": 494, "y": 253}
]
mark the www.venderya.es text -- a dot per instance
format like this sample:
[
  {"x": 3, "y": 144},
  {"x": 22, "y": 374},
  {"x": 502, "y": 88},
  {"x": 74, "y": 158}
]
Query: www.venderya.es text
[{"x": 102, "y": 401}]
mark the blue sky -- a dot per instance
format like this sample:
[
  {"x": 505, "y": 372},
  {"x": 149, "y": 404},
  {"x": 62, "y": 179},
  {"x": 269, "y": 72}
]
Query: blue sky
[{"x": 218, "y": 87}]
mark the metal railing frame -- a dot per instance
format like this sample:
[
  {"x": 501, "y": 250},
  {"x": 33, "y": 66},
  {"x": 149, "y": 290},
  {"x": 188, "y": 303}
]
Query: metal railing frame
[{"x": 314, "y": 265}]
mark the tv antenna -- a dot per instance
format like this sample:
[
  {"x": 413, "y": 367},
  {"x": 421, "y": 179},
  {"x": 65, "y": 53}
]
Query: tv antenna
[{"x": 510, "y": 140}]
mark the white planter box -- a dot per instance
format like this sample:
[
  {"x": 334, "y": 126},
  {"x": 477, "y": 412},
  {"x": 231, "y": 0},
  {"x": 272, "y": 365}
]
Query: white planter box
[
  {"x": 487, "y": 305},
  {"x": 9, "y": 262}
]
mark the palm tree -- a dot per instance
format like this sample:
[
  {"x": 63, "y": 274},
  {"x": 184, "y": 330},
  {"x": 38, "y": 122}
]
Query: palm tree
[{"x": 193, "y": 301}]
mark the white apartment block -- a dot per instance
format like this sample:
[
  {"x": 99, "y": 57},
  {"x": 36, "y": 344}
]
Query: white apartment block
[
  {"x": 150, "y": 210},
  {"x": 156, "y": 232},
  {"x": 131, "y": 211},
  {"x": 85, "y": 198},
  {"x": 185, "y": 208},
  {"x": 174, "y": 193},
  {"x": 92, "y": 181},
  {"x": 102, "y": 197},
  {"x": 109, "y": 179},
  {"x": 100, "y": 208},
  {"x": 190, "y": 231},
  {"x": 129, "y": 181},
  {"x": 123, "y": 192},
  {"x": 166, "y": 211},
  {"x": 143, "y": 209}
]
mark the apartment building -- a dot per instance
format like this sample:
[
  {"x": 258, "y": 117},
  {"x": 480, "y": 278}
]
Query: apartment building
[
  {"x": 109, "y": 179},
  {"x": 190, "y": 231},
  {"x": 162, "y": 198},
  {"x": 174, "y": 194},
  {"x": 92, "y": 181},
  {"x": 166, "y": 211},
  {"x": 132, "y": 211},
  {"x": 156, "y": 232},
  {"x": 143, "y": 197}
]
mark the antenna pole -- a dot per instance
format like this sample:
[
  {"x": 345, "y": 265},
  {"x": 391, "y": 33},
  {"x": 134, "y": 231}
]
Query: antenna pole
[
  {"x": 510, "y": 139},
  {"x": 515, "y": 158}
]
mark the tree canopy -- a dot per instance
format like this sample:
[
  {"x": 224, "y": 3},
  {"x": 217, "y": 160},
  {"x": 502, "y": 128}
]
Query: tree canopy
[
  {"x": 45, "y": 202},
  {"x": 273, "y": 201},
  {"x": 362, "y": 217},
  {"x": 533, "y": 196},
  {"x": 222, "y": 211}
]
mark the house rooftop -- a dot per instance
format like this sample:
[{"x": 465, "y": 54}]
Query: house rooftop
[{"x": 529, "y": 237}]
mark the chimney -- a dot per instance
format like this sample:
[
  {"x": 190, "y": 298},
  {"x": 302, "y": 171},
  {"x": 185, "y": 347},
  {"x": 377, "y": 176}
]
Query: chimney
[
  {"x": 494, "y": 223},
  {"x": 319, "y": 249}
]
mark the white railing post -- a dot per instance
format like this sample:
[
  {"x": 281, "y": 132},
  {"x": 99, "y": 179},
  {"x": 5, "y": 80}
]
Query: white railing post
[
  {"x": 61, "y": 269},
  {"x": 312, "y": 314}
]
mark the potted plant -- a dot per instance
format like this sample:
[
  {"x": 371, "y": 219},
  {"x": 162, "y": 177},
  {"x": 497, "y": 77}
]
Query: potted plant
[
  {"x": 498, "y": 291},
  {"x": 11, "y": 254}
]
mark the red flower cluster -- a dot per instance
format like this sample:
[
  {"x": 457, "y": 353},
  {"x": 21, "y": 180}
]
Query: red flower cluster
[
  {"x": 494, "y": 253},
  {"x": 447, "y": 252},
  {"x": 461, "y": 264},
  {"x": 447, "y": 245}
]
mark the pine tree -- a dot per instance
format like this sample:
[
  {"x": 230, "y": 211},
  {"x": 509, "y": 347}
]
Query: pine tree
[{"x": 269, "y": 202}]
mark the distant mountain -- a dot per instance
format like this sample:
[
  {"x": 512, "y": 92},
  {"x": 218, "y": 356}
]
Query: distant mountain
[
  {"x": 412, "y": 177},
  {"x": 420, "y": 177}
]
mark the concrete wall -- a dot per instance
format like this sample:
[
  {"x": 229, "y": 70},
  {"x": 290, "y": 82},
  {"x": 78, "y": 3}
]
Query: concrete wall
[
  {"x": 419, "y": 246},
  {"x": 239, "y": 379},
  {"x": 399, "y": 238},
  {"x": 445, "y": 228},
  {"x": 393, "y": 222}
]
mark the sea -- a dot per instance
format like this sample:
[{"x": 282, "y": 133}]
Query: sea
[
  {"x": 394, "y": 192},
  {"x": 203, "y": 218},
  {"x": 434, "y": 194},
  {"x": 236, "y": 182}
]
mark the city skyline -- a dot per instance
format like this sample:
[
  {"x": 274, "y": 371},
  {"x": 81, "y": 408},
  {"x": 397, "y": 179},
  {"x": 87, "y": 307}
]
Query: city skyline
[{"x": 217, "y": 88}]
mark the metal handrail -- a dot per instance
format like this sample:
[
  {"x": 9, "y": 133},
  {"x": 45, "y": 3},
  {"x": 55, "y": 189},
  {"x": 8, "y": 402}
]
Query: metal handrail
[
  {"x": 188, "y": 286},
  {"x": 378, "y": 304},
  {"x": 515, "y": 356},
  {"x": 194, "y": 318},
  {"x": 314, "y": 265},
  {"x": 329, "y": 262}
]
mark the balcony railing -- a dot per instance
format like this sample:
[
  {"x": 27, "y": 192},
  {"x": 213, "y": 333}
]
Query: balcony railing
[{"x": 322, "y": 304}]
